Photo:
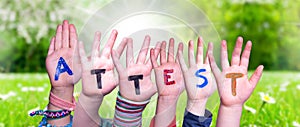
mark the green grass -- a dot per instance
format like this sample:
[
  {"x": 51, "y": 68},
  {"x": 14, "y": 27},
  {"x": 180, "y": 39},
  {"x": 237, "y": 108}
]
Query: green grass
[{"x": 283, "y": 113}]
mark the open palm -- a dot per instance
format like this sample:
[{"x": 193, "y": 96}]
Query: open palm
[
  {"x": 64, "y": 45},
  {"x": 234, "y": 95},
  {"x": 176, "y": 87},
  {"x": 198, "y": 78},
  {"x": 141, "y": 68},
  {"x": 99, "y": 61}
]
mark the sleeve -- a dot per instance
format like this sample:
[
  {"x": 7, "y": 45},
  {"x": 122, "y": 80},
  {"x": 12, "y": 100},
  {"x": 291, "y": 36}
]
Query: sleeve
[
  {"x": 128, "y": 113},
  {"x": 191, "y": 120}
]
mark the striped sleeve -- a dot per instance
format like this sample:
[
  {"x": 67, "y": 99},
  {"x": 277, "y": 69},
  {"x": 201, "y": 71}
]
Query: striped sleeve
[{"x": 128, "y": 113}]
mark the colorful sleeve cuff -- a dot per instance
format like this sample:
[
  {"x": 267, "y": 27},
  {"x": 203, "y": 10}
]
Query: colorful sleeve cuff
[
  {"x": 128, "y": 113},
  {"x": 191, "y": 120}
]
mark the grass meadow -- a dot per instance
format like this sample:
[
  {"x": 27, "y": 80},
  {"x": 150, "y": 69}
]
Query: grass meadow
[{"x": 20, "y": 93}]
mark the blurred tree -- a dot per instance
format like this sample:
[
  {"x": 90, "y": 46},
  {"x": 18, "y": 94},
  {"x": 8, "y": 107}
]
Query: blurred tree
[
  {"x": 256, "y": 21},
  {"x": 289, "y": 57},
  {"x": 272, "y": 25},
  {"x": 26, "y": 28}
]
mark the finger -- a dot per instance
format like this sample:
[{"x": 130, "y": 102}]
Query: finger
[
  {"x": 58, "y": 37},
  {"x": 156, "y": 52},
  {"x": 82, "y": 54},
  {"x": 246, "y": 55},
  {"x": 180, "y": 58},
  {"x": 171, "y": 50},
  {"x": 121, "y": 47},
  {"x": 117, "y": 63},
  {"x": 256, "y": 76},
  {"x": 51, "y": 46},
  {"x": 96, "y": 45},
  {"x": 73, "y": 36},
  {"x": 65, "y": 34},
  {"x": 191, "y": 54},
  {"x": 214, "y": 67},
  {"x": 129, "y": 53},
  {"x": 206, "y": 60},
  {"x": 153, "y": 58},
  {"x": 235, "y": 60},
  {"x": 163, "y": 53},
  {"x": 199, "y": 58},
  {"x": 224, "y": 55},
  {"x": 110, "y": 44},
  {"x": 144, "y": 50}
]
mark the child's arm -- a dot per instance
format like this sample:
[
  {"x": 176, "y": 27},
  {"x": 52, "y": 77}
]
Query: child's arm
[
  {"x": 63, "y": 67},
  {"x": 233, "y": 85},
  {"x": 136, "y": 87},
  {"x": 170, "y": 84},
  {"x": 98, "y": 80},
  {"x": 199, "y": 85}
]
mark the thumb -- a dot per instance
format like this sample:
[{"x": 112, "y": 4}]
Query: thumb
[{"x": 256, "y": 75}]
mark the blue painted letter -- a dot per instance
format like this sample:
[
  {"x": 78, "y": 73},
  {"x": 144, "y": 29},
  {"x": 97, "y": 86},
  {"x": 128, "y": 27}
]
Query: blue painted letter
[
  {"x": 197, "y": 74},
  {"x": 61, "y": 69}
]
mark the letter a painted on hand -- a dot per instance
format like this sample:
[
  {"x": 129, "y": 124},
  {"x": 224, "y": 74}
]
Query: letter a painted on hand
[
  {"x": 166, "y": 77},
  {"x": 197, "y": 74},
  {"x": 61, "y": 68},
  {"x": 233, "y": 77}
]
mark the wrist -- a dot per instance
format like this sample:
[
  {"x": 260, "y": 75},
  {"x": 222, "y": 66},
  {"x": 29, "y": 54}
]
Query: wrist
[
  {"x": 233, "y": 107},
  {"x": 95, "y": 99},
  {"x": 168, "y": 99},
  {"x": 229, "y": 115},
  {"x": 165, "y": 103},
  {"x": 196, "y": 106},
  {"x": 65, "y": 93}
]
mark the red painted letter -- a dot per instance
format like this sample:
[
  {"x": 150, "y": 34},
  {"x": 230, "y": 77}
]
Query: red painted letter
[{"x": 166, "y": 77}]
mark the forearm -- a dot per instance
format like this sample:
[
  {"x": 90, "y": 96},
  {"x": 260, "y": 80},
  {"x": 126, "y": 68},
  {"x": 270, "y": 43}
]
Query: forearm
[
  {"x": 229, "y": 116},
  {"x": 87, "y": 111},
  {"x": 165, "y": 111},
  {"x": 66, "y": 94}
]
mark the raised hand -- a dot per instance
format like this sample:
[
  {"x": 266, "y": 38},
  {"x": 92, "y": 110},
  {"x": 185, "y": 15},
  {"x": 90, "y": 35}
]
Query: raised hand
[
  {"x": 198, "y": 79},
  {"x": 139, "y": 72},
  {"x": 63, "y": 50},
  {"x": 63, "y": 66},
  {"x": 239, "y": 65},
  {"x": 169, "y": 82},
  {"x": 98, "y": 80},
  {"x": 233, "y": 85},
  {"x": 99, "y": 62},
  {"x": 168, "y": 75}
]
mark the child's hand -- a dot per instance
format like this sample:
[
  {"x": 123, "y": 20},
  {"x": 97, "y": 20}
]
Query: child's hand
[
  {"x": 63, "y": 47},
  {"x": 99, "y": 61},
  {"x": 233, "y": 84},
  {"x": 169, "y": 82},
  {"x": 168, "y": 75},
  {"x": 140, "y": 70},
  {"x": 63, "y": 66},
  {"x": 198, "y": 79}
]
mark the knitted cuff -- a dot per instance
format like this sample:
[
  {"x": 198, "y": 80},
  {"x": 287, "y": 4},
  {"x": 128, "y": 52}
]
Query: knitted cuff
[{"x": 128, "y": 113}]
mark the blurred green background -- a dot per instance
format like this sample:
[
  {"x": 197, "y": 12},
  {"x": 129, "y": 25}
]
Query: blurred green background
[{"x": 272, "y": 25}]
